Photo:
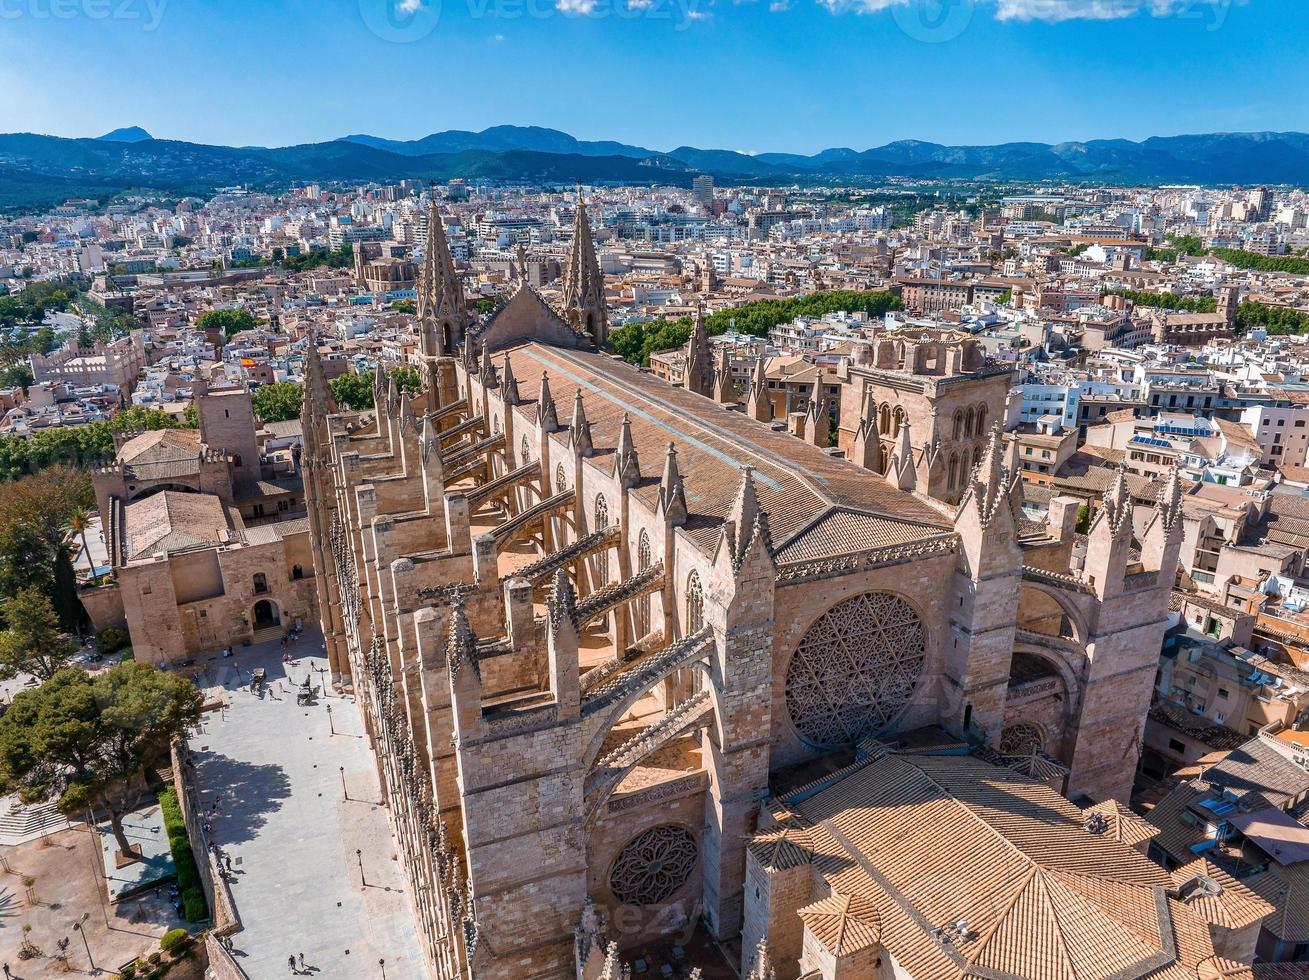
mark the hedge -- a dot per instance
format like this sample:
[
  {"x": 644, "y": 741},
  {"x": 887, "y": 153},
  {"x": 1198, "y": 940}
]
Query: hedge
[{"x": 194, "y": 907}]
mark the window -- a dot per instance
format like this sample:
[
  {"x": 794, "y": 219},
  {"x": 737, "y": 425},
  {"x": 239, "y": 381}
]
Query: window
[
  {"x": 602, "y": 558},
  {"x": 297, "y": 572},
  {"x": 1176, "y": 746},
  {"x": 525, "y": 452},
  {"x": 643, "y": 603},
  {"x": 694, "y": 604},
  {"x": 261, "y": 583},
  {"x": 561, "y": 481}
]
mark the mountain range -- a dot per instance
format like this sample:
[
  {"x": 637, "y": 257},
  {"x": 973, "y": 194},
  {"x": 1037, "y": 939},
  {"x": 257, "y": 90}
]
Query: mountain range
[{"x": 36, "y": 169}]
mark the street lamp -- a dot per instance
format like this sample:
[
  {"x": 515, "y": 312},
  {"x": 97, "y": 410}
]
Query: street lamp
[
  {"x": 344, "y": 792},
  {"x": 359, "y": 856},
  {"x": 77, "y": 928},
  {"x": 382, "y": 964},
  {"x": 331, "y": 729}
]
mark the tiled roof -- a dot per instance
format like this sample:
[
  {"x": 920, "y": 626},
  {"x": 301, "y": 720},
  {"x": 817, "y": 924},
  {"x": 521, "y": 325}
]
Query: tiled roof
[
  {"x": 796, "y": 482},
  {"x": 929, "y": 841},
  {"x": 844, "y": 924},
  {"x": 1230, "y": 904},
  {"x": 171, "y": 521},
  {"x": 1124, "y": 826}
]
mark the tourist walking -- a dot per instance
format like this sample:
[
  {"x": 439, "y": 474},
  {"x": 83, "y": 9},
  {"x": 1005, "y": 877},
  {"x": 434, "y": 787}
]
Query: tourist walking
[{"x": 290, "y": 962}]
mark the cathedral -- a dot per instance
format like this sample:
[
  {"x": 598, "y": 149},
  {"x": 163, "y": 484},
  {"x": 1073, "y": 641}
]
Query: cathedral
[{"x": 634, "y": 657}]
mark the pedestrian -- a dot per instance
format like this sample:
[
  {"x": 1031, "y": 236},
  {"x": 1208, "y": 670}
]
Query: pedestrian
[
  {"x": 302, "y": 961},
  {"x": 227, "y": 859},
  {"x": 7, "y": 973},
  {"x": 290, "y": 961}
]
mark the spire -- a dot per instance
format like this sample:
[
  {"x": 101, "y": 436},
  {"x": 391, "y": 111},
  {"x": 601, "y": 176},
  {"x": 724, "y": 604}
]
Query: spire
[
  {"x": 699, "y": 361},
  {"x": 672, "y": 495},
  {"x": 545, "y": 406},
  {"x": 991, "y": 479},
  {"x": 584, "y": 287},
  {"x": 758, "y": 405},
  {"x": 487, "y": 370},
  {"x": 724, "y": 389},
  {"x": 900, "y": 470},
  {"x": 561, "y": 606},
  {"x": 442, "y": 311},
  {"x": 508, "y": 383},
  {"x": 1118, "y": 504},
  {"x": 817, "y": 423},
  {"x": 1170, "y": 499},
  {"x": 629, "y": 462},
  {"x": 581, "y": 428},
  {"x": 461, "y": 646},
  {"x": 747, "y": 523},
  {"x": 761, "y": 967},
  {"x": 319, "y": 400}
]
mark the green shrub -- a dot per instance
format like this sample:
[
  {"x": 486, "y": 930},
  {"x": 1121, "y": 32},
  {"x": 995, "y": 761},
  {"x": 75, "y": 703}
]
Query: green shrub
[
  {"x": 128, "y": 972},
  {"x": 194, "y": 906},
  {"x": 111, "y": 639},
  {"x": 154, "y": 958},
  {"x": 172, "y": 939},
  {"x": 188, "y": 875}
]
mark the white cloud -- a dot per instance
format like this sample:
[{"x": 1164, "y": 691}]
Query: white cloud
[
  {"x": 861, "y": 6},
  {"x": 1054, "y": 11},
  {"x": 779, "y": 6},
  {"x": 409, "y": 6},
  {"x": 640, "y": 4},
  {"x": 498, "y": 38},
  {"x": 575, "y": 6}
]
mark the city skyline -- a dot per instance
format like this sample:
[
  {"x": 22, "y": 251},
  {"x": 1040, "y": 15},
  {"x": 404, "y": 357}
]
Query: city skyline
[{"x": 968, "y": 72}]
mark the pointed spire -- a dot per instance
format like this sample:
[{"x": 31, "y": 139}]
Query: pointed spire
[
  {"x": 581, "y": 428},
  {"x": 747, "y": 523},
  {"x": 629, "y": 461},
  {"x": 508, "y": 383},
  {"x": 319, "y": 400},
  {"x": 758, "y": 405},
  {"x": 867, "y": 448},
  {"x": 546, "y": 415},
  {"x": 698, "y": 376},
  {"x": 461, "y": 645},
  {"x": 989, "y": 471},
  {"x": 561, "y": 606},
  {"x": 584, "y": 288},
  {"x": 487, "y": 370},
  {"x": 1170, "y": 499},
  {"x": 761, "y": 967},
  {"x": 724, "y": 387},
  {"x": 1118, "y": 504},
  {"x": 900, "y": 470},
  {"x": 672, "y": 495},
  {"x": 442, "y": 310},
  {"x": 817, "y": 423}
]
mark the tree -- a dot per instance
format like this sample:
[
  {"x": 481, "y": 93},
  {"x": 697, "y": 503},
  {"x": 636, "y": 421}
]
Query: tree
[
  {"x": 79, "y": 740},
  {"x": 407, "y": 379},
  {"x": 404, "y": 306},
  {"x": 227, "y": 322},
  {"x": 32, "y": 642},
  {"x": 78, "y": 521},
  {"x": 16, "y": 376},
  {"x": 278, "y": 402},
  {"x": 34, "y": 550},
  {"x": 354, "y": 391}
]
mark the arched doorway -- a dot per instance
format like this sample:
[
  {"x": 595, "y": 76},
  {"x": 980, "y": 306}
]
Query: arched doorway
[{"x": 266, "y": 615}]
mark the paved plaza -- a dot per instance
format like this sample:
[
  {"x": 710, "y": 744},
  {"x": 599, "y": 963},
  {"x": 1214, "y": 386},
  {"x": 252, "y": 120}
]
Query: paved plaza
[{"x": 275, "y": 772}]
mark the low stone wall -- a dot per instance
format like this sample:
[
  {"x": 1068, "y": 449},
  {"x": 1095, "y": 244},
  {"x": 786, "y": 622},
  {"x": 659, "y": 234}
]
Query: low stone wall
[{"x": 104, "y": 606}]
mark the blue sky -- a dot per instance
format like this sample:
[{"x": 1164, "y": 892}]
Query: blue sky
[{"x": 751, "y": 75}]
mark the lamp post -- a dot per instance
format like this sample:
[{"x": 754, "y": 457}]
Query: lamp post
[
  {"x": 344, "y": 792},
  {"x": 331, "y": 729},
  {"x": 382, "y": 964},
  {"x": 359, "y": 856},
  {"x": 77, "y": 928}
]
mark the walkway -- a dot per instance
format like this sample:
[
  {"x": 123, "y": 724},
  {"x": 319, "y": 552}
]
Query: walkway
[{"x": 275, "y": 772}]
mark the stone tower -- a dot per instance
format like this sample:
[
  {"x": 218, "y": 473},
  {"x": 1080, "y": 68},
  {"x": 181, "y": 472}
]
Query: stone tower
[
  {"x": 227, "y": 424},
  {"x": 584, "y": 285},
  {"x": 442, "y": 312}
]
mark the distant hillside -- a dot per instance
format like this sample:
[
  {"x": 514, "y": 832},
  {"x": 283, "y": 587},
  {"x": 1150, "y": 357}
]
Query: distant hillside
[
  {"x": 128, "y": 134},
  {"x": 38, "y": 170}
]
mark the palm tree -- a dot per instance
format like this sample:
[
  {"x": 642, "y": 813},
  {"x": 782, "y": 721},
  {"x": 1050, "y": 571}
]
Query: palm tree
[{"x": 78, "y": 521}]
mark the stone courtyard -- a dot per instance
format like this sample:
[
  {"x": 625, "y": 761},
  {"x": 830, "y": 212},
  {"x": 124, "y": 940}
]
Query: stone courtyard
[{"x": 275, "y": 773}]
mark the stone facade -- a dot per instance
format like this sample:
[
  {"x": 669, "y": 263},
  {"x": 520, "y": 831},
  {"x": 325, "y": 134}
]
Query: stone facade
[{"x": 591, "y": 617}]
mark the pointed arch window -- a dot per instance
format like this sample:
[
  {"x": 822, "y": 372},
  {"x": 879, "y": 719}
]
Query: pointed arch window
[
  {"x": 884, "y": 419},
  {"x": 958, "y": 430},
  {"x": 602, "y": 557},
  {"x": 981, "y": 420},
  {"x": 694, "y": 604},
  {"x": 968, "y": 424},
  {"x": 643, "y": 603},
  {"x": 561, "y": 479}
]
